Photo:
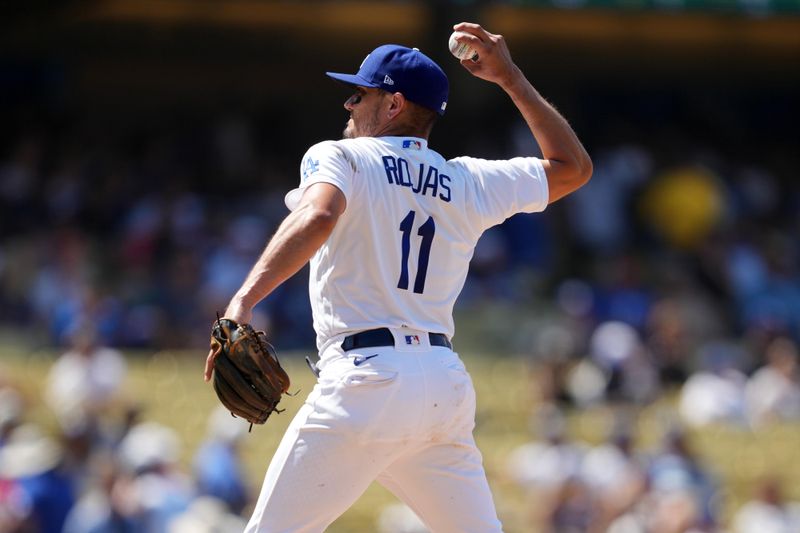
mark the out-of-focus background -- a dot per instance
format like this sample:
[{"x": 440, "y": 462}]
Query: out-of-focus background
[{"x": 634, "y": 348}]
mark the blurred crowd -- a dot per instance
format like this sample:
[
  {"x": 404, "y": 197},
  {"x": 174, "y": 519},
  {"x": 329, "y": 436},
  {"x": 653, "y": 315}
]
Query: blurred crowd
[
  {"x": 618, "y": 486},
  {"x": 106, "y": 468},
  {"x": 148, "y": 233},
  {"x": 674, "y": 273},
  {"x": 145, "y": 234}
]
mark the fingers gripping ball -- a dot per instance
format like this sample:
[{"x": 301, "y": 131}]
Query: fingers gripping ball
[
  {"x": 248, "y": 378},
  {"x": 461, "y": 50}
]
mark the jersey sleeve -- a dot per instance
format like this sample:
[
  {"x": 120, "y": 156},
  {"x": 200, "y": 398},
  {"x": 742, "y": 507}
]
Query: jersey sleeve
[
  {"x": 325, "y": 162},
  {"x": 496, "y": 190}
]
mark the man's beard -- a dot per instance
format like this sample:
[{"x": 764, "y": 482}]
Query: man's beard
[
  {"x": 347, "y": 133},
  {"x": 367, "y": 129}
]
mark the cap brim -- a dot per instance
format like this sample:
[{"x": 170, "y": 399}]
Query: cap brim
[{"x": 351, "y": 79}]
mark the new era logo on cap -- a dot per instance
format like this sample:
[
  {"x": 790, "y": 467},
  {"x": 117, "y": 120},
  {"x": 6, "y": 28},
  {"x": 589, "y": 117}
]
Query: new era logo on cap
[{"x": 405, "y": 70}]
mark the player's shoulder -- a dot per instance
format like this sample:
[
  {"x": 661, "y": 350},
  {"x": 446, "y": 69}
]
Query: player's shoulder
[
  {"x": 465, "y": 161},
  {"x": 324, "y": 146},
  {"x": 347, "y": 147},
  {"x": 477, "y": 164},
  {"x": 361, "y": 144},
  {"x": 465, "y": 165},
  {"x": 331, "y": 150}
]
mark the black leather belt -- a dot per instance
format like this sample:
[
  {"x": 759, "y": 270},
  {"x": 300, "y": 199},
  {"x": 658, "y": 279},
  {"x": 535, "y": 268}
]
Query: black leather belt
[{"x": 383, "y": 337}]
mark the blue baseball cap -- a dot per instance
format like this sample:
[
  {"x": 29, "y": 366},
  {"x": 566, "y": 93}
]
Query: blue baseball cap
[{"x": 405, "y": 70}]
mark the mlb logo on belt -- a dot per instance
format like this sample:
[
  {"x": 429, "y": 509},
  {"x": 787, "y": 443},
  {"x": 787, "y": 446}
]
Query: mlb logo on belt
[{"x": 413, "y": 340}]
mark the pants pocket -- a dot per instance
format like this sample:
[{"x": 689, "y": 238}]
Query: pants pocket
[
  {"x": 368, "y": 403},
  {"x": 368, "y": 378},
  {"x": 454, "y": 416}
]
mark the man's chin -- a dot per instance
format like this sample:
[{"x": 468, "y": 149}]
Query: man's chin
[{"x": 348, "y": 132}]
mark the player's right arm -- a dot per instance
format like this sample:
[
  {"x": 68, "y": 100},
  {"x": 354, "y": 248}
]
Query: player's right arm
[
  {"x": 315, "y": 208},
  {"x": 299, "y": 236},
  {"x": 566, "y": 162}
]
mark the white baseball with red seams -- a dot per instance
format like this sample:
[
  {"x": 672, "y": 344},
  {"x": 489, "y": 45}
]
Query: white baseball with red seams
[{"x": 461, "y": 50}]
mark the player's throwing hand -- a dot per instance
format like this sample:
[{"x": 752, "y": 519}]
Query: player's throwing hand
[{"x": 494, "y": 61}]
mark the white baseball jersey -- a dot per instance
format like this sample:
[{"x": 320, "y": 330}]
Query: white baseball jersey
[{"x": 400, "y": 252}]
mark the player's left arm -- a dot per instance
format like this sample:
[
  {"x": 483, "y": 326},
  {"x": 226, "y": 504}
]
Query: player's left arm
[
  {"x": 565, "y": 160},
  {"x": 299, "y": 236}
]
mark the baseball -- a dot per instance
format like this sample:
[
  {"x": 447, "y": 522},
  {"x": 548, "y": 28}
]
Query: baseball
[{"x": 461, "y": 51}]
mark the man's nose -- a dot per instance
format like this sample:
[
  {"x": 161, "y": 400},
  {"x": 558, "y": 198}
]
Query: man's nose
[{"x": 350, "y": 102}]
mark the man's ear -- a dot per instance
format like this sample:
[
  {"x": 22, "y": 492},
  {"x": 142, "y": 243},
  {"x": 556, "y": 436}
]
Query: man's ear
[{"x": 397, "y": 105}]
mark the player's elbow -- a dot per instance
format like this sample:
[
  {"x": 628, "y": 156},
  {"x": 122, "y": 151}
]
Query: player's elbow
[
  {"x": 579, "y": 171},
  {"x": 567, "y": 176},
  {"x": 321, "y": 219},
  {"x": 584, "y": 170}
]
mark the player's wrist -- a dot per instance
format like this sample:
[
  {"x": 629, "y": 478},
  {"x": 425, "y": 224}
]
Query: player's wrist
[
  {"x": 514, "y": 82},
  {"x": 239, "y": 306}
]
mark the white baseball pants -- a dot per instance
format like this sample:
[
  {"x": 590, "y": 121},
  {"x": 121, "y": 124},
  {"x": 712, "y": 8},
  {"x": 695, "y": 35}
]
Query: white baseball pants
[{"x": 400, "y": 414}]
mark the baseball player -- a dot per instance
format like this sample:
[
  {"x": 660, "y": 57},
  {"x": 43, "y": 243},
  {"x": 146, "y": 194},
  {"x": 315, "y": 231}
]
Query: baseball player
[{"x": 389, "y": 227}]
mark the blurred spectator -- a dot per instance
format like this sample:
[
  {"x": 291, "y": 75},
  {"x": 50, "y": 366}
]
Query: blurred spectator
[
  {"x": 765, "y": 280},
  {"x": 616, "y": 348},
  {"x": 772, "y": 393},
  {"x": 206, "y": 515},
  {"x": 677, "y": 325},
  {"x": 679, "y": 495},
  {"x": 616, "y": 476},
  {"x": 11, "y": 410},
  {"x": 682, "y": 490},
  {"x": 716, "y": 392},
  {"x": 87, "y": 378},
  {"x": 155, "y": 487},
  {"x": 599, "y": 211},
  {"x": 621, "y": 291},
  {"x": 547, "y": 463},
  {"x": 41, "y": 493},
  {"x": 572, "y": 509},
  {"x": 549, "y": 470},
  {"x": 14, "y": 509},
  {"x": 14, "y": 506},
  {"x": 767, "y": 512},
  {"x": 108, "y": 505},
  {"x": 229, "y": 263},
  {"x": 217, "y": 465},
  {"x": 553, "y": 352},
  {"x": 669, "y": 340}
]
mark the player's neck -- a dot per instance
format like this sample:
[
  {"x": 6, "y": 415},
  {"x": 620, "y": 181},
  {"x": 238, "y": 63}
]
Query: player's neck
[{"x": 401, "y": 130}]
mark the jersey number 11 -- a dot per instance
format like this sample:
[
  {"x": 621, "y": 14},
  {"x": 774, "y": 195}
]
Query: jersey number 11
[{"x": 426, "y": 231}]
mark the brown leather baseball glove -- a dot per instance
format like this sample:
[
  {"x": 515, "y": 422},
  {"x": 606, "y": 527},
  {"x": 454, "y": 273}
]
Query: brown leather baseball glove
[{"x": 248, "y": 378}]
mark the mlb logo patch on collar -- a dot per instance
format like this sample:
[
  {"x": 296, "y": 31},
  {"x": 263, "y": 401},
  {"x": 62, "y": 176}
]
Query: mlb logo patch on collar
[
  {"x": 412, "y": 144},
  {"x": 413, "y": 340}
]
